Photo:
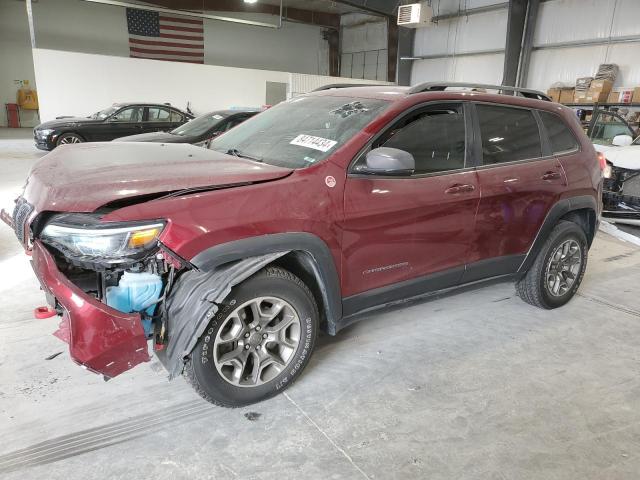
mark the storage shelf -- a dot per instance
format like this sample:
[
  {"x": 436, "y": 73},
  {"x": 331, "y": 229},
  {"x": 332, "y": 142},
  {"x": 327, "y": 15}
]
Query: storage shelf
[{"x": 592, "y": 105}]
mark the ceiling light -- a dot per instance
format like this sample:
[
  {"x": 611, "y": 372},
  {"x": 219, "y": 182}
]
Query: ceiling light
[{"x": 250, "y": 1}]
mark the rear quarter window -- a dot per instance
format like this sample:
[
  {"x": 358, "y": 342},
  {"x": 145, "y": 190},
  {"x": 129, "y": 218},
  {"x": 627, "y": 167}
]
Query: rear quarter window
[{"x": 560, "y": 135}]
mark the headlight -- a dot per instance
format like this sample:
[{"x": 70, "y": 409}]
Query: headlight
[
  {"x": 45, "y": 132},
  {"x": 85, "y": 236},
  {"x": 607, "y": 172}
]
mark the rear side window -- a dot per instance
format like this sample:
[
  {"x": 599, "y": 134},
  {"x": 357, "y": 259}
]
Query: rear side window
[
  {"x": 560, "y": 136},
  {"x": 508, "y": 134},
  {"x": 176, "y": 117},
  {"x": 435, "y": 138}
]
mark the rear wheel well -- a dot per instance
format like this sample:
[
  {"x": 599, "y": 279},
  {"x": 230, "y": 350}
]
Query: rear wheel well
[
  {"x": 585, "y": 218},
  {"x": 301, "y": 265}
]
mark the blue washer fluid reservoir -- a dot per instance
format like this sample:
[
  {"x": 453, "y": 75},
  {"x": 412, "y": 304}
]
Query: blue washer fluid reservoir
[{"x": 136, "y": 292}]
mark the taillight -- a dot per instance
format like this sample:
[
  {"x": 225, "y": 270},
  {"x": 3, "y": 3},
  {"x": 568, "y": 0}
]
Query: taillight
[{"x": 605, "y": 166}]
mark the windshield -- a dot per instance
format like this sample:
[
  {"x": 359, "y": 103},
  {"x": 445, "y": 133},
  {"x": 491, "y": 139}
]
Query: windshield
[
  {"x": 636, "y": 141},
  {"x": 198, "y": 126},
  {"x": 301, "y": 131},
  {"x": 102, "y": 114}
]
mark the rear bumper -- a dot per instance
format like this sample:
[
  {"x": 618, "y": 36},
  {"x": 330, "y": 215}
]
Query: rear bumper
[{"x": 100, "y": 338}]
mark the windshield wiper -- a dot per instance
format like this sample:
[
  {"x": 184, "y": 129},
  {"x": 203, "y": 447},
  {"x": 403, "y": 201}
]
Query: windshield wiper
[{"x": 238, "y": 153}]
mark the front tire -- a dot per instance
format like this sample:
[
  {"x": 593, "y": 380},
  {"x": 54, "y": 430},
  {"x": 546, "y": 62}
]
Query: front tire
[
  {"x": 69, "y": 138},
  {"x": 258, "y": 342},
  {"x": 558, "y": 270}
]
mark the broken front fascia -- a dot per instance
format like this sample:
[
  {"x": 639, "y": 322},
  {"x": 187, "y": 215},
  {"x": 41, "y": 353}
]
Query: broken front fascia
[
  {"x": 621, "y": 196},
  {"x": 194, "y": 301}
]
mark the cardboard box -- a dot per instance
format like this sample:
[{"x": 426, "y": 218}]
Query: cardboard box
[
  {"x": 596, "y": 97},
  {"x": 613, "y": 97},
  {"x": 554, "y": 94},
  {"x": 566, "y": 95},
  {"x": 636, "y": 95},
  {"x": 580, "y": 97},
  {"x": 602, "y": 85},
  {"x": 626, "y": 96}
]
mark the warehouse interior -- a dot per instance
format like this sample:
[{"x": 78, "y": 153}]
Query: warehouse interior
[{"x": 129, "y": 117}]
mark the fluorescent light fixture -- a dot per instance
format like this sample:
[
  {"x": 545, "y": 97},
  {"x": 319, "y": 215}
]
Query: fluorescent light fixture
[{"x": 250, "y": 1}]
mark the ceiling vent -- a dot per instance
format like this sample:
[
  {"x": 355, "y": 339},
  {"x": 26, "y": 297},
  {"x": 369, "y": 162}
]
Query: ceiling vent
[{"x": 415, "y": 15}]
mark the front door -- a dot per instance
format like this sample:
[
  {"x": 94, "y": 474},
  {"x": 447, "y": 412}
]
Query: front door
[
  {"x": 520, "y": 180},
  {"x": 404, "y": 229},
  {"x": 127, "y": 121}
]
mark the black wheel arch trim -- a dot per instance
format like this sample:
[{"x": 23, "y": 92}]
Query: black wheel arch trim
[
  {"x": 559, "y": 209},
  {"x": 318, "y": 259}
]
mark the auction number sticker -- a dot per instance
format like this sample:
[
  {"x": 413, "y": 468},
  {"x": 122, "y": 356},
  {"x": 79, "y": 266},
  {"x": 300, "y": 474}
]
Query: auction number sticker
[{"x": 317, "y": 143}]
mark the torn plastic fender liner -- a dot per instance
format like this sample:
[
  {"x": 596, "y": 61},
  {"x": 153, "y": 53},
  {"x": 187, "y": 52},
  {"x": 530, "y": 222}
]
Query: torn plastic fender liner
[
  {"x": 194, "y": 301},
  {"x": 100, "y": 338}
]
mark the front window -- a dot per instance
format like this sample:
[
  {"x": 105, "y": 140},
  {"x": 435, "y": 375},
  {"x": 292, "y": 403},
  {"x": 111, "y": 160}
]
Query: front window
[
  {"x": 131, "y": 114},
  {"x": 198, "y": 126},
  {"x": 607, "y": 127},
  {"x": 300, "y": 132}
]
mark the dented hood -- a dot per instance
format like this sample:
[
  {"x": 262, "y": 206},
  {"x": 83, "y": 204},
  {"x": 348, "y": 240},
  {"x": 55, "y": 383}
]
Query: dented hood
[{"x": 83, "y": 177}]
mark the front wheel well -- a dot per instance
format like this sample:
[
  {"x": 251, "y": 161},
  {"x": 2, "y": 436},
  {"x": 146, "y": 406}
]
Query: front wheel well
[
  {"x": 301, "y": 265},
  {"x": 586, "y": 219}
]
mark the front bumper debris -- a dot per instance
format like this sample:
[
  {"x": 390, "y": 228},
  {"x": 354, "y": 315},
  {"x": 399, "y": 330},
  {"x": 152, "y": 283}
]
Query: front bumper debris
[
  {"x": 621, "y": 196},
  {"x": 102, "y": 339}
]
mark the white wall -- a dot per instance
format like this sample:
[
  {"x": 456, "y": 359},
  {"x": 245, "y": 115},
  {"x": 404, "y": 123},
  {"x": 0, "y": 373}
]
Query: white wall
[
  {"x": 363, "y": 46},
  {"x": 79, "y": 26},
  {"x": 15, "y": 57},
  {"x": 73, "y": 83},
  {"x": 62, "y": 77},
  {"x": 573, "y": 20},
  {"x": 473, "y": 33}
]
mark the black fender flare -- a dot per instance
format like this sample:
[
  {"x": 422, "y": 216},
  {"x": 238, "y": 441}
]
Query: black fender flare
[
  {"x": 317, "y": 258},
  {"x": 559, "y": 209}
]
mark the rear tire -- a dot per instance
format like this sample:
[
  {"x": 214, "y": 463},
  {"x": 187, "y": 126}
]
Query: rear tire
[
  {"x": 69, "y": 138},
  {"x": 557, "y": 272},
  {"x": 258, "y": 343}
]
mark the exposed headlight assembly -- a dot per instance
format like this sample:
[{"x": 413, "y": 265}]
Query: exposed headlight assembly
[
  {"x": 85, "y": 237},
  {"x": 45, "y": 132}
]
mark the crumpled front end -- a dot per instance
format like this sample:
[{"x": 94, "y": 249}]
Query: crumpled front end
[
  {"x": 621, "y": 196},
  {"x": 102, "y": 339},
  {"x": 106, "y": 280}
]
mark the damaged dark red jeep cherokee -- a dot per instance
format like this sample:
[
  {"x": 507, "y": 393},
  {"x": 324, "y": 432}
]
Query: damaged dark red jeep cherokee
[{"x": 231, "y": 260}]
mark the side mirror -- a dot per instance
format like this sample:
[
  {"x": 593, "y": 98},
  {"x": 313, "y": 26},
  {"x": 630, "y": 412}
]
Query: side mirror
[
  {"x": 622, "y": 140},
  {"x": 389, "y": 161}
]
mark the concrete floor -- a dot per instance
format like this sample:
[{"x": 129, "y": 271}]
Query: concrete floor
[{"x": 476, "y": 385}]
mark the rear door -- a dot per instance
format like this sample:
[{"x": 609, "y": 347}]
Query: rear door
[
  {"x": 158, "y": 119},
  {"x": 407, "y": 227},
  {"x": 520, "y": 180}
]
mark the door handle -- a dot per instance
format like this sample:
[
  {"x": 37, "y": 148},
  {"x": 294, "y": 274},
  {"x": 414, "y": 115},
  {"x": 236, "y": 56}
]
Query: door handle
[
  {"x": 454, "y": 189},
  {"x": 551, "y": 175}
]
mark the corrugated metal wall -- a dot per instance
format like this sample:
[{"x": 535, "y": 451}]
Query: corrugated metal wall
[
  {"x": 562, "y": 21},
  {"x": 459, "y": 42}
]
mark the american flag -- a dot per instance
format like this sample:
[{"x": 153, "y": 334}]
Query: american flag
[{"x": 160, "y": 36}]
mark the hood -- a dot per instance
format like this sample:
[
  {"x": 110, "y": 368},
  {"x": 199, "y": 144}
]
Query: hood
[
  {"x": 66, "y": 121},
  {"x": 160, "y": 137},
  {"x": 622, "y": 157},
  {"x": 83, "y": 177}
]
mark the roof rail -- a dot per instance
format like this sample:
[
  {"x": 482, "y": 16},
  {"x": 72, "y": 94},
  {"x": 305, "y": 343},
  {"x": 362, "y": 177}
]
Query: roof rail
[
  {"x": 331, "y": 86},
  {"x": 441, "y": 86}
]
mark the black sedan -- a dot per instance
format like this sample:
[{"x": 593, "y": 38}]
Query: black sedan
[
  {"x": 116, "y": 121},
  {"x": 198, "y": 131}
]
